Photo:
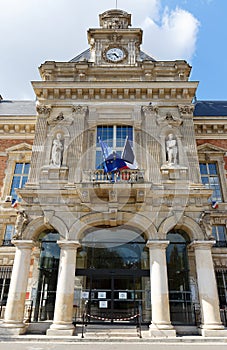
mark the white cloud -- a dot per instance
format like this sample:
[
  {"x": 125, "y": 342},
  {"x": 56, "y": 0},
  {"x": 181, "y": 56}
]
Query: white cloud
[{"x": 174, "y": 38}]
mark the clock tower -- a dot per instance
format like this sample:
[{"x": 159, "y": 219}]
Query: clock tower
[{"x": 115, "y": 42}]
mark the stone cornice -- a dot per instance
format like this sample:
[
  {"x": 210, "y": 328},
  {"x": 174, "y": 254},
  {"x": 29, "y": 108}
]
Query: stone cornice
[
  {"x": 211, "y": 129},
  {"x": 86, "y": 71},
  {"x": 21, "y": 127},
  {"x": 179, "y": 91}
]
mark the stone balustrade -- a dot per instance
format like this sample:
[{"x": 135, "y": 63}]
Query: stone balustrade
[{"x": 123, "y": 176}]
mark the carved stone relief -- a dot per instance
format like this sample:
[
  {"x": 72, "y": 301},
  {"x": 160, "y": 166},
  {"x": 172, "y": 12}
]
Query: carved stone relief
[
  {"x": 82, "y": 110},
  {"x": 21, "y": 221},
  {"x": 43, "y": 109}
]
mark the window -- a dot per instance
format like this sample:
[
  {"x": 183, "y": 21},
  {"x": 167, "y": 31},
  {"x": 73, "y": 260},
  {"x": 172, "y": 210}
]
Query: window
[
  {"x": 181, "y": 306},
  {"x": 5, "y": 276},
  {"x": 114, "y": 136},
  {"x": 210, "y": 179},
  {"x": 8, "y": 235},
  {"x": 221, "y": 277},
  {"x": 219, "y": 233},
  {"x": 20, "y": 178},
  {"x": 48, "y": 276}
]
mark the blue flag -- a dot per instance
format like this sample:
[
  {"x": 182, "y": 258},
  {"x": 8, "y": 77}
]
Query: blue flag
[{"x": 106, "y": 150}]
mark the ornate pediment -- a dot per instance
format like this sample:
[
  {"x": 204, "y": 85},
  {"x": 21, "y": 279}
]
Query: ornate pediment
[
  {"x": 21, "y": 147},
  {"x": 210, "y": 148}
]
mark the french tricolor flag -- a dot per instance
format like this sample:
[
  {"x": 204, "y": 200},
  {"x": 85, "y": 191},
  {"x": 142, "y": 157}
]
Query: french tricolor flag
[
  {"x": 14, "y": 203},
  {"x": 214, "y": 204}
]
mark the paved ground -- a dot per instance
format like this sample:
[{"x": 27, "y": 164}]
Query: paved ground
[{"x": 83, "y": 344}]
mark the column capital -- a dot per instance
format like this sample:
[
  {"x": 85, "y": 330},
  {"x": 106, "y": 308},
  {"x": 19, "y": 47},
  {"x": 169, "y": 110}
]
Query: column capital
[
  {"x": 157, "y": 244},
  {"x": 23, "y": 244},
  {"x": 69, "y": 245},
  {"x": 202, "y": 245}
]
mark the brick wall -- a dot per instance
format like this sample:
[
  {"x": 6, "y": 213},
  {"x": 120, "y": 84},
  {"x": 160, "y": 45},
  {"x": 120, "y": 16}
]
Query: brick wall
[{"x": 218, "y": 143}]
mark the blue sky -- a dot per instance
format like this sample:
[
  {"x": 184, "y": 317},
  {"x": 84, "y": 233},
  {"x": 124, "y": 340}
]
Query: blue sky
[
  {"x": 210, "y": 57},
  {"x": 33, "y": 31}
]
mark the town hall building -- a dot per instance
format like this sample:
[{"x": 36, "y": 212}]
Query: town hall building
[{"x": 113, "y": 195}]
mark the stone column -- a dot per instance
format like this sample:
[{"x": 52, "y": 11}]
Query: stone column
[
  {"x": 14, "y": 314},
  {"x": 63, "y": 312},
  {"x": 160, "y": 325},
  {"x": 207, "y": 286}
]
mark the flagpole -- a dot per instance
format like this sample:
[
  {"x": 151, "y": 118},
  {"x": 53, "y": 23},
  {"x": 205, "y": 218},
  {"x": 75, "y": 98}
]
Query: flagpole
[{"x": 116, "y": 4}]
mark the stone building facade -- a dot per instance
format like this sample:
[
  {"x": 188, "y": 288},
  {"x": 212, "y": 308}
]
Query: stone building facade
[{"x": 147, "y": 239}]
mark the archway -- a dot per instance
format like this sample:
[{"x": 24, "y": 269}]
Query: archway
[
  {"x": 112, "y": 275},
  {"x": 181, "y": 307}
]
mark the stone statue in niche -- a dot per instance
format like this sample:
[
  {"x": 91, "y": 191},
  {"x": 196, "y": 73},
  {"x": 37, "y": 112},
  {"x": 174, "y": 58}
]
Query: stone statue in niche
[
  {"x": 56, "y": 153},
  {"x": 172, "y": 150},
  {"x": 21, "y": 220}
]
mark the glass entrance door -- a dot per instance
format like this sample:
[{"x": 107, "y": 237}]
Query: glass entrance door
[
  {"x": 112, "y": 276},
  {"x": 114, "y": 298}
]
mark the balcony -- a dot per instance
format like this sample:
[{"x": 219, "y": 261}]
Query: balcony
[{"x": 123, "y": 176}]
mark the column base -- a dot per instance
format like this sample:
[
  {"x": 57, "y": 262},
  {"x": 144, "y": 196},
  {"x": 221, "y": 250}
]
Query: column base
[
  {"x": 161, "y": 331},
  {"x": 61, "y": 330},
  {"x": 12, "y": 329},
  {"x": 215, "y": 331}
]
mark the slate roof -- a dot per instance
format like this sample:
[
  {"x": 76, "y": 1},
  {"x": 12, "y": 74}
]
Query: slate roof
[
  {"x": 23, "y": 108},
  {"x": 85, "y": 56},
  {"x": 210, "y": 108}
]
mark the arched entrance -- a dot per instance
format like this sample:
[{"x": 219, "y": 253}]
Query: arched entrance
[
  {"x": 181, "y": 306},
  {"x": 112, "y": 275},
  {"x": 48, "y": 276}
]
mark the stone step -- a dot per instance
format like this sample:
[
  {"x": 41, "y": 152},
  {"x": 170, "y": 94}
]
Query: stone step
[{"x": 111, "y": 331}]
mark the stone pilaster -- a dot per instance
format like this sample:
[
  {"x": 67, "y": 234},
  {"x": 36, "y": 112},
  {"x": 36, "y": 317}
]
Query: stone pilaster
[
  {"x": 63, "y": 312},
  {"x": 76, "y": 147},
  {"x": 208, "y": 294},
  {"x": 38, "y": 151},
  {"x": 14, "y": 314},
  {"x": 160, "y": 325},
  {"x": 152, "y": 144},
  {"x": 188, "y": 133}
]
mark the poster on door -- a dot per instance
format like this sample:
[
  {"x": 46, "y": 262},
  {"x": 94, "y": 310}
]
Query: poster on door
[
  {"x": 101, "y": 295},
  {"x": 122, "y": 295},
  {"x": 103, "y": 304}
]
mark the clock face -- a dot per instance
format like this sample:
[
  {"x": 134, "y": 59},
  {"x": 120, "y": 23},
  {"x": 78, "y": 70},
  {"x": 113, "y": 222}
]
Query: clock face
[{"x": 115, "y": 54}]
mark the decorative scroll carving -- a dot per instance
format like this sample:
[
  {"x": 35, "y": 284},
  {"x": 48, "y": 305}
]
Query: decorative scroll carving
[
  {"x": 169, "y": 119},
  {"x": 67, "y": 120},
  {"x": 59, "y": 117},
  {"x": 115, "y": 19},
  {"x": 115, "y": 23},
  {"x": 80, "y": 109},
  {"x": 43, "y": 109},
  {"x": 150, "y": 110},
  {"x": 186, "y": 109},
  {"x": 115, "y": 38},
  {"x": 21, "y": 221}
]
